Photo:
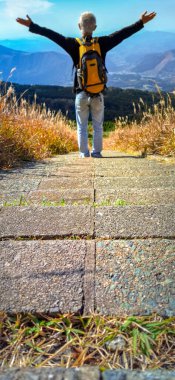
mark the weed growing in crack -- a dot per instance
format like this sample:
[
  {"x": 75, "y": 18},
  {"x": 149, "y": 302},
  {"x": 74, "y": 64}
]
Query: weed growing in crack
[
  {"x": 16, "y": 202},
  {"x": 108, "y": 202}
]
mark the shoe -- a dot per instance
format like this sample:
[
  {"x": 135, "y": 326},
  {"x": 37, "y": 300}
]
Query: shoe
[
  {"x": 96, "y": 155},
  {"x": 83, "y": 155}
]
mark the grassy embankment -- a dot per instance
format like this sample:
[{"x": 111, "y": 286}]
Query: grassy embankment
[
  {"x": 30, "y": 132},
  {"x": 154, "y": 134}
]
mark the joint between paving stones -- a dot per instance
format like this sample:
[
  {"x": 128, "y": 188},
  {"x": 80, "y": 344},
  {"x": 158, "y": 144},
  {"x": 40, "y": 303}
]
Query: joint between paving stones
[
  {"x": 83, "y": 237},
  {"x": 95, "y": 268},
  {"x": 89, "y": 278},
  {"x": 45, "y": 237},
  {"x": 83, "y": 284}
]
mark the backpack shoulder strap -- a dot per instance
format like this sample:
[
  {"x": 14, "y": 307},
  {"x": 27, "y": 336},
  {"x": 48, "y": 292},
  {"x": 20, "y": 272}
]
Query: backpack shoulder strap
[{"x": 79, "y": 40}]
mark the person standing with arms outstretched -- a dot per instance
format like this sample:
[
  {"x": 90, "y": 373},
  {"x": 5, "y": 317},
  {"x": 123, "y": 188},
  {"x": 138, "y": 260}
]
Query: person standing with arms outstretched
[{"x": 84, "y": 101}]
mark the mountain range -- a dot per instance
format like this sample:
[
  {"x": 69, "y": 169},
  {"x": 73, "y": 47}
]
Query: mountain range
[
  {"x": 35, "y": 68},
  {"x": 138, "y": 62}
]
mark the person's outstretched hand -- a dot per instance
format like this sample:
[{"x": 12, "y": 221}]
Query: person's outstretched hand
[
  {"x": 24, "y": 22},
  {"x": 147, "y": 17}
]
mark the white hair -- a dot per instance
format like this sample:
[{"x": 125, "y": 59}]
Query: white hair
[{"x": 87, "y": 17}]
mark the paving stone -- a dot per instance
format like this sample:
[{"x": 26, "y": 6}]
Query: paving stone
[
  {"x": 20, "y": 184},
  {"x": 137, "y": 196},
  {"x": 42, "y": 276},
  {"x": 82, "y": 373},
  {"x": 131, "y": 182},
  {"x": 27, "y": 175},
  {"x": 74, "y": 196},
  {"x": 135, "y": 221},
  {"x": 136, "y": 172},
  {"x": 78, "y": 196},
  {"x": 70, "y": 160},
  {"x": 138, "y": 375},
  {"x": 70, "y": 171},
  {"x": 46, "y": 221},
  {"x": 135, "y": 277},
  {"x": 65, "y": 182},
  {"x": 30, "y": 373},
  {"x": 116, "y": 158},
  {"x": 130, "y": 162},
  {"x": 127, "y": 164}
]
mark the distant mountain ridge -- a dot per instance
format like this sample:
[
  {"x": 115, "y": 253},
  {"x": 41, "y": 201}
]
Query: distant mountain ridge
[
  {"x": 35, "y": 68},
  {"x": 137, "y": 62},
  {"x": 156, "y": 64}
]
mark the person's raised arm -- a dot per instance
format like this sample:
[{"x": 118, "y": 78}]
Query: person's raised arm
[
  {"x": 34, "y": 28},
  {"x": 67, "y": 43},
  {"x": 112, "y": 40}
]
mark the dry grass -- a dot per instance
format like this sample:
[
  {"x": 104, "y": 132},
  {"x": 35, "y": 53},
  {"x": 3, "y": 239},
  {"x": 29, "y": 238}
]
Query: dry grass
[
  {"x": 30, "y": 131},
  {"x": 155, "y": 134},
  {"x": 146, "y": 342}
]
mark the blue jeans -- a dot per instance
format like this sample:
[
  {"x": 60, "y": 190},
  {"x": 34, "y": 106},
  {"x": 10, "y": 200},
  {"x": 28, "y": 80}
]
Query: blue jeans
[{"x": 84, "y": 104}]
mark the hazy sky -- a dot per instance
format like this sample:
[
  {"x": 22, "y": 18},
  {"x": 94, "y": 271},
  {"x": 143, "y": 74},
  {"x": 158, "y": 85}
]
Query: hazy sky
[{"x": 62, "y": 15}]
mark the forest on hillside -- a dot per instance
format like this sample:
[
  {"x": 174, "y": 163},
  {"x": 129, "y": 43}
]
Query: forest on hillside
[{"x": 118, "y": 102}]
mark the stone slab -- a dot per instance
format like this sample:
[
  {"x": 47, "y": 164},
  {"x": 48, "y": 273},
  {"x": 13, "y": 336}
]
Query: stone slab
[
  {"x": 22, "y": 183},
  {"x": 137, "y": 196},
  {"x": 159, "y": 374},
  {"x": 135, "y": 277},
  {"x": 79, "y": 196},
  {"x": 130, "y": 161},
  {"x": 46, "y": 221},
  {"x": 70, "y": 160},
  {"x": 71, "y": 171},
  {"x": 135, "y": 221},
  {"x": 30, "y": 373},
  {"x": 83, "y": 373},
  {"x": 65, "y": 182},
  {"x": 20, "y": 173},
  {"x": 136, "y": 172},
  {"x": 42, "y": 276},
  {"x": 25, "y": 165},
  {"x": 115, "y": 158},
  {"x": 131, "y": 182}
]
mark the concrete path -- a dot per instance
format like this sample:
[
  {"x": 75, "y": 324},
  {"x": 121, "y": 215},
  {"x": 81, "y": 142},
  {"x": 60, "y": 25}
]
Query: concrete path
[{"x": 84, "y": 235}]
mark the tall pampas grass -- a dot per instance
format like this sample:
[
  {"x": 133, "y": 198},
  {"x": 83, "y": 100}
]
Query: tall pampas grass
[
  {"x": 30, "y": 131},
  {"x": 154, "y": 134}
]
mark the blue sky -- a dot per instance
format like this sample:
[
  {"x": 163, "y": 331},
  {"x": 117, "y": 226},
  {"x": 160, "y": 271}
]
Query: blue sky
[{"x": 62, "y": 15}]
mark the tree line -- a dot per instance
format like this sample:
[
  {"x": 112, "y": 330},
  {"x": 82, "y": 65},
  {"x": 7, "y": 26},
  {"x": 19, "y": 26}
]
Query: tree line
[{"x": 122, "y": 103}]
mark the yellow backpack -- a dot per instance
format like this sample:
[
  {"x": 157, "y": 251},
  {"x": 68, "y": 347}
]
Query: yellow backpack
[{"x": 91, "y": 71}]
